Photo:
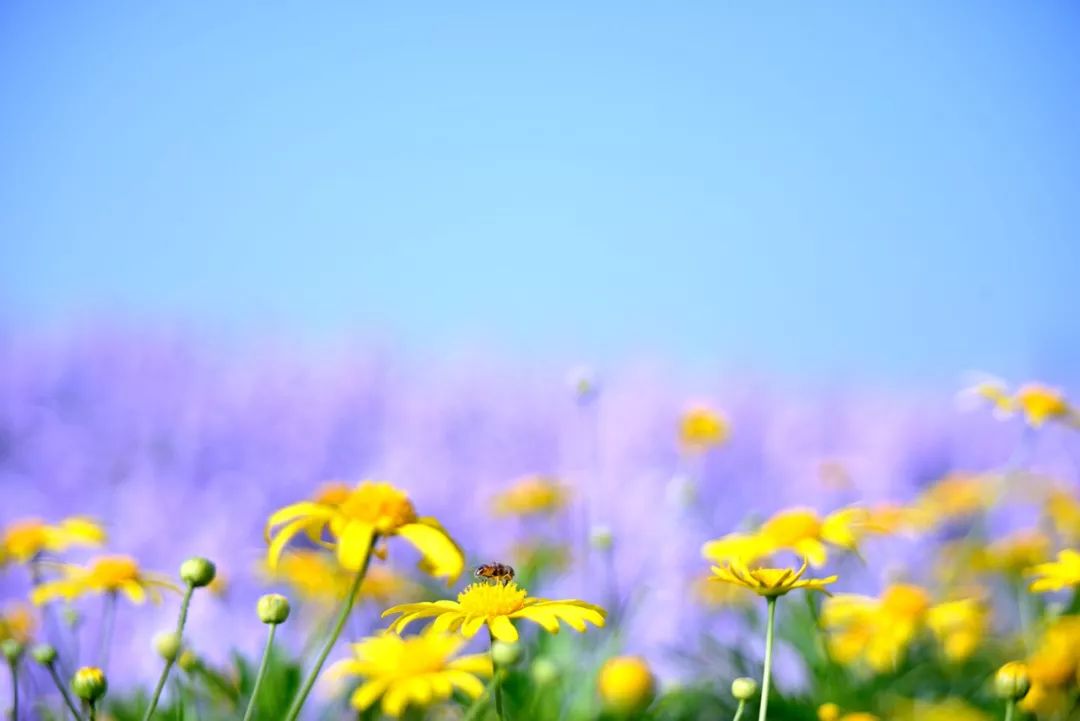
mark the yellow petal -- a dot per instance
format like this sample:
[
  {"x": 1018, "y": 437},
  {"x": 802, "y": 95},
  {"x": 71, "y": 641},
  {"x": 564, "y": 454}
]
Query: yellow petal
[
  {"x": 368, "y": 693},
  {"x": 503, "y": 629},
  {"x": 135, "y": 592},
  {"x": 479, "y": 663},
  {"x": 442, "y": 557},
  {"x": 466, "y": 682},
  {"x": 354, "y": 544},
  {"x": 304, "y": 509},
  {"x": 395, "y": 700},
  {"x": 471, "y": 626},
  {"x": 282, "y": 538}
]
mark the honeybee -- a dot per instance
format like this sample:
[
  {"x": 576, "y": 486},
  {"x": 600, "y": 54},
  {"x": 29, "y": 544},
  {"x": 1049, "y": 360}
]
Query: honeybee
[{"x": 495, "y": 572}]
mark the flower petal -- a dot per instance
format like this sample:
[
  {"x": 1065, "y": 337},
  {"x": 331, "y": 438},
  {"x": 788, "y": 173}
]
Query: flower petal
[
  {"x": 368, "y": 693},
  {"x": 442, "y": 556},
  {"x": 503, "y": 629},
  {"x": 354, "y": 544}
]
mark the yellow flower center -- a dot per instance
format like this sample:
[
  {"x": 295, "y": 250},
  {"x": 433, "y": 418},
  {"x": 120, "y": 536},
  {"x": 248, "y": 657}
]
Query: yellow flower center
[
  {"x": 111, "y": 572},
  {"x": 379, "y": 504},
  {"x": 486, "y": 599}
]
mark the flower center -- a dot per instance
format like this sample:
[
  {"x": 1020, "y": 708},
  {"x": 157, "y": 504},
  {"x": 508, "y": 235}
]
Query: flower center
[
  {"x": 113, "y": 571},
  {"x": 380, "y": 504},
  {"x": 486, "y": 599}
]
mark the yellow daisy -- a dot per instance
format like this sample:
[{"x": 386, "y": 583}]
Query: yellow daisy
[
  {"x": 1059, "y": 574},
  {"x": 496, "y": 605},
  {"x": 702, "y": 428},
  {"x": 18, "y": 622},
  {"x": 959, "y": 626},
  {"x": 1041, "y": 403},
  {"x": 770, "y": 582},
  {"x": 531, "y": 496},
  {"x": 415, "y": 671},
  {"x": 24, "y": 540},
  {"x": 355, "y": 519},
  {"x": 105, "y": 574}
]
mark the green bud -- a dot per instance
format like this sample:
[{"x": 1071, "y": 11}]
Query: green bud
[
  {"x": 273, "y": 608},
  {"x": 12, "y": 649},
  {"x": 505, "y": 654},
  {"x": 743, "y": 688},
  {"x": 89, "y": 683},
  {"x": 197, "y": 572},
  {"x": 44, "y": 654},
  {"x": 601, "y": 538},
  {"x": 187, "y": 660},
  {"x": 168, "y": 645},
  {"x": 543, "y": 671},
  {"x": 1012, "y": 682}
]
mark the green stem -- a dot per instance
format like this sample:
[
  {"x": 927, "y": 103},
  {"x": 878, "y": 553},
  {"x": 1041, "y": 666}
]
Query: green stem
[
  {"x": 168, "y": 664},
  {"x": 93, "y": 711},
  {"x": 1010, "y": 709},
  {"x": 262, "y": 672},
  {"x": 346, "y": 609},
  {"x": 108, "y": 619},
  {"x": 64, "y": 692},
  {"x": 480, "y": 702},
  {"x": 496, "y": 678},
  {"x": 739, "y": 710},
  {"x": 766, "y": 675},
  {"x": 14, "y": 690}
]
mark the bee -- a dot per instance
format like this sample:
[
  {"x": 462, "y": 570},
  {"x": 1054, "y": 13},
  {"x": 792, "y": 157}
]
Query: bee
[{"x": 495, "y": 572}]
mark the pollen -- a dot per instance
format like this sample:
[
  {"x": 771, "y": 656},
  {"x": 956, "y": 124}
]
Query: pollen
[{"x": 485, "y": 599}]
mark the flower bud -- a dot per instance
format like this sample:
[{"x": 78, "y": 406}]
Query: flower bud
[
  {"x": 1012, "y": 681},
  {"x": 168, "y": 645},
  {"x": 543, "y": 671},
  {"x": 187, "y": 660},
  {"x": 12, "y": 650},
  {"x": 626, "y": 684},
  {"x": 743, "y": 688},
  {"x": 273, "y": 608},
  {"x": 197, "y": 572},
  {"x": 44, "y": 654},
  {"x": 828, "y": 712},
  {"x": 89, "y": 683},
  {"x": 601, "y": 538},
  {"x": 505, "y": 654}
]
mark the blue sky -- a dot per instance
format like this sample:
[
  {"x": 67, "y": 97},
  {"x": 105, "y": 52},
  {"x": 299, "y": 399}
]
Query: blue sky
[{"x": 888, "y": 189}]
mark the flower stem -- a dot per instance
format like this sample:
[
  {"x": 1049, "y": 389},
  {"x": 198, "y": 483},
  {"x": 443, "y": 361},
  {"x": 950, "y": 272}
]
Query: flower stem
[
  {"x": 1010, "y": 709},
  {"x": 496, "y": 678},
  {"x": 346, "y": 609},
  {"x": 108, "y": 619},
  {"x": 14, "y": 690},
  {"x": 739, "y": 710},
  {"x": 93, "y": 711},
  {"x": 64, "y": 692},
  {"x": 766, "y": 675},
  {"x": 262, "y": 672},
  {"x": 168, "y": 664}
]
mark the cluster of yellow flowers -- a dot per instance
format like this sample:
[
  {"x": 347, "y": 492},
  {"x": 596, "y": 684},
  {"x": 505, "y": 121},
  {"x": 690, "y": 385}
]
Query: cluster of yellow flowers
[{"x": 1037, "y": 402}]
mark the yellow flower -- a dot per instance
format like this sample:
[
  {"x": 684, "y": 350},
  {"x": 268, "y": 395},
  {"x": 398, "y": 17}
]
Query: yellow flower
[
  {"x": 531, "y": 496},
  {"x": 769, "y": 582},
  {"x": 956, "y": 496},
  {"x": 17, "y": 622},
  {"x": 626, "y": 684},
  {"x": 702, "y": 428},
  {"x": 1041, "y": 403},
  {"x": 958, "y": 626},
  {"x": 950, "y": 709},
  {"x": 1056, "y": 659},
  {"x": 736, "y": 547},
  {"x": 996, "y": 393},
  {"x": 356, "y": 519},
  {"x": 798, "y": 530},
  {"x": 411, "y": 672},
  {"x": 24, "y": 540},
  {"x": 105, "y": 574},
  {"x": 859, "y": 716},
  {"x": 828, "y": 712},
  {"x": 1063, "y": 510},
  {"x": 1013, "y": 554},
  {"x": 875, "y": 630},
  {"x": 496, "y": 605},
  {"x": 1044, "y": 701},
  {"x": 720, "y": 595},
  {"x": 1057, "y": 575},
  {"x": 312, "y": 575}
]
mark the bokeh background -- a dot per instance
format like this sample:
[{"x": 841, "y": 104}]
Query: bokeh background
[{"x": 246, "y": 248}]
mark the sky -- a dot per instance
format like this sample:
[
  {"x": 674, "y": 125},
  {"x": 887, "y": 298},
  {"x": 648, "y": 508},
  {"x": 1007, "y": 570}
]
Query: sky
[{"x": 888, "y": 190}]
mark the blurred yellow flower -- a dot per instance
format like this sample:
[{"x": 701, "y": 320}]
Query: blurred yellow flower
[
  {"x": 411, "y": 672},
  {"x": 702, "y": 428},
  {"x": 1063, "y": 509},
  {"x": 531, "y": 496},
  {"x": 626, "y": 684},
  {"x": 798, "y": 530},
  {"x": 315, "y": 576},
  {"x": 496, "y": 605},
  {"x": 875, "y": 630},
  {"x": 720, "y": 595},
  {"x": 958, "y": 626},
  {"x": 1014, "y": 553},
  {"x": 769, "y": 582},
  {"x": 958, "y": 495},
  {"x": 1057, "y": 575},
  {"x": 950, "y": 709},
  {"x": 891, "y": 518},
  {"x": 358, "y": 519},
  {"x": 1041, "y": 403},
  {"x": 736, "y": 547},
  {"x": 1044, "y": 701},
  {"x": 1056, "y": 660},
  {"x": 18, "y": 622},
  {"x": 24, "y": 540},
  {"x": 996, "y": 393},
  {"x": 104, "y": 574},
  {"x": 828, "y": 712}
]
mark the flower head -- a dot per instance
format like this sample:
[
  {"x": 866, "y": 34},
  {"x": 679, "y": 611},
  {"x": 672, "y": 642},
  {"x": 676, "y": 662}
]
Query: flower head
[
  {"x": 959, "y": 626},
  {"x": 413, "y": 671},
  {"x": 1063, "y": 510},
  {"x": 104, "y": 574},
  {"x": 531, "y": 496},
  {"x": 702, "y": 428},
  {"x": 355, "y": 519},
  {"x": 1014, "y": 553},
  {"x": 1041, "y": 403},
  {"x": 1059, "y": 574},
  {"x": 875, "y": 630},
  {"x": 496, "y": 605},
  {"x": 769, "y": 582},
  {"x": 24, "y": 540},
  {"x": 957, "y": 495},
  {"x": 1012, "y": 681},
  {"x": 626, "y": 684},
  {"x": 17, "y": 622},
  {"x": 89, "y": 683}
]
